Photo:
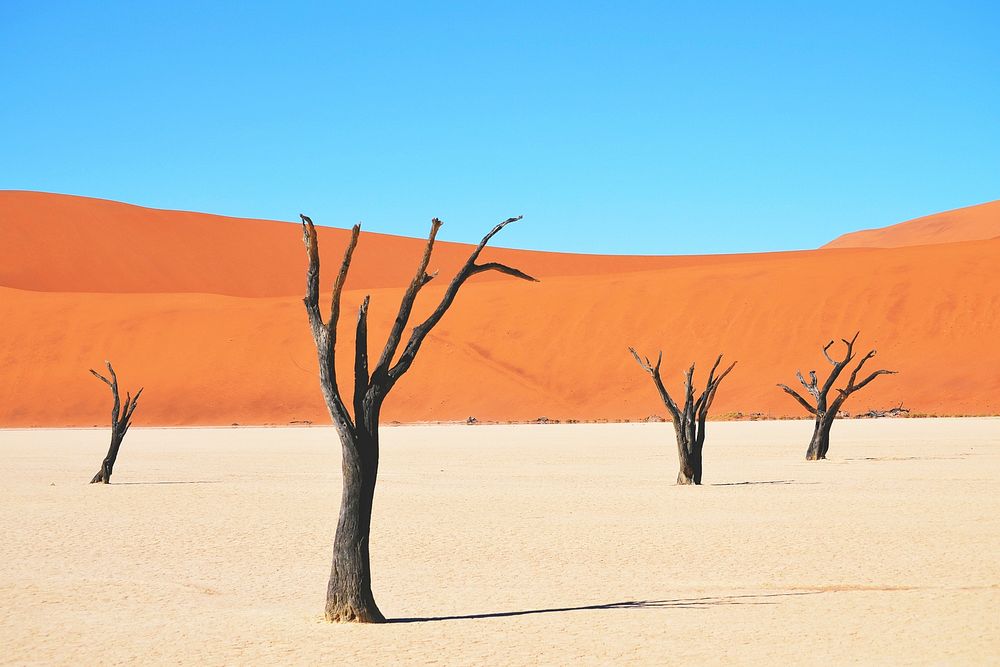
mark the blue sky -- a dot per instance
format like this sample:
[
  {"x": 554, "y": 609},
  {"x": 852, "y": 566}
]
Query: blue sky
[{"x": 659, "y": 127}]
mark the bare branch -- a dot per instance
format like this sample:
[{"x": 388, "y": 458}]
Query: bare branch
[
  {"x": 811, "y": 385},
  {"x": 726, "y": 372},
  {"x": 654, "y": 371},
  {"x": 839, "y": 366},
  {"x": 420, "y": 331},
  {"x": 502, "y": 268},
  {"x": 689, "y": 390},
  {"x": 711, "y": 372},
  {"x": 312, "y": 278},
  {"x": 857, "y": 369},
  {"x": 794, "y": 394},
  {"x": 493, "y": 232},
  {"x": 864, "y": 383},
  {"x": 113, "y": 383},
  {"x": 311, "y": 299},
  {"x": 338, "y": 285},
  {"x": 406, "y": 304},
  {"x": 135, "y": 401},
  {"x": 826, "y": 353},
  {"x": 100, "y": 377},
  {"x": 361, "y": 378},
  {"x": 646, "y": 365},
  {"x": 325, "y": 335},
  {"x": 708, "y": 396},
  {"x": 111, "y": 371}
]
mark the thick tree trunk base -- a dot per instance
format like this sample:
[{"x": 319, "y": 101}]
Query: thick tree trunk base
[
  {"x": 819, "y": 444},
  {"x": 354, "y": 611},
  {"x": 689, "y": 471},
  {"x": 684, "y": 479}
]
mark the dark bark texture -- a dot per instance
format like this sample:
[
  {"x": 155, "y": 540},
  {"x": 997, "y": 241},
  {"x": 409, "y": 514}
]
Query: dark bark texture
[
  {"x": 689, "y": 419},
  {"x": 823, "y": 409},
  {"x": 121, "y": 420},
  {"x": 349, "y": 593}
]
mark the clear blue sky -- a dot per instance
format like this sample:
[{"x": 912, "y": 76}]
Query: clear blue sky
[{"x": 659, "y": 127}]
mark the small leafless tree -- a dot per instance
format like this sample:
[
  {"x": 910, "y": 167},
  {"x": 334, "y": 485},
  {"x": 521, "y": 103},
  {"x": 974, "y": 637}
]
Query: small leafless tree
[
  {"x": 689, "y": 419},
  {"x": 825, "y": 411},
  {"x": 121, "y": 419},
  {"x": 876, "y": 413},
  {"x": 349, "y": 595}
]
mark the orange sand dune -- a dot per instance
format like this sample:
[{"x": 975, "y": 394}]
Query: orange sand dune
[
  {"x": 972, "y": 223},
  {"x": 511, "y": 350},
  {"x": 63, "y": 243}
]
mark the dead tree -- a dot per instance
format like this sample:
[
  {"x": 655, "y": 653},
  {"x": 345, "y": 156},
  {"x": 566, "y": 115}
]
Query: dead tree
[
  {"x": 121, "y": 419},
  {"x": 349, "y": 595},
  {"x": 689, "y": 420},
  {"x": 875, "y": 413},
  {"x": 825, "y": 411}
]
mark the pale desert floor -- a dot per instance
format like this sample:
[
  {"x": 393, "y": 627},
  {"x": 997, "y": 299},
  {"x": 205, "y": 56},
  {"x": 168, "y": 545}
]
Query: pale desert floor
[{"x": 555, "y": 544}]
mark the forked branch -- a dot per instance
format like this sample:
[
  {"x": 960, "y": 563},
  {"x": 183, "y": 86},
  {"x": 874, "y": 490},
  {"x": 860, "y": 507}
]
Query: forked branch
[
  {"x": 383, "y": 376},
  {"x": 419, "y": 332},
  {"x": 325, "y": 333}
]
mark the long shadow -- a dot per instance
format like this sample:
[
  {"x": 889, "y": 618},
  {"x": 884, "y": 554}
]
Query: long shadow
[
  {"x": 909, "y": 458},
  {"x": 680, "y": 603},
  {"x": 775, "y": 481},
  {"x": 203, "y": 481}
]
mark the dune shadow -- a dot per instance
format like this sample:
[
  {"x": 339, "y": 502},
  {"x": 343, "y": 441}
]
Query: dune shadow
[
  {"x": 679, "y": 603},
  {"x": 200, "y": 481}
]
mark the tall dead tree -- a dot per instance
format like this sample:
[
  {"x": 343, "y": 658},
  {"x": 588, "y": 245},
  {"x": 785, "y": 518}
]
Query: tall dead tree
[
  {"x": 349, "y": 596},
  {"x": 121, "y": 419},
  {"x": 825, "y": 411},
  {"x": 689, "y": 419}
]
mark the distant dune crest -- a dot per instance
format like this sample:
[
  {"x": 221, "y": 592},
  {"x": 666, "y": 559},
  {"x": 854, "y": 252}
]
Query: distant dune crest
[
  {"x": 972, "y": 223},
  {"x": 206, "y": 311}
]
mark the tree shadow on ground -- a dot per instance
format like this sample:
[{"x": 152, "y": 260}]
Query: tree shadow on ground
[
  {"x": 202, "y": 481},
  {"x": 679, "y": 603},
  {"x": 772, "y": 481},
  {"x": 959, "y": 457}
]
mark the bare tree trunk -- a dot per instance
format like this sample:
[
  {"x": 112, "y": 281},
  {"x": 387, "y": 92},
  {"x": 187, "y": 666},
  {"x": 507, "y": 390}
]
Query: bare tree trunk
[
  {"x": 103, "y": 475},
  {"x": 819, "y": 444},
  {"x": 689, "y": 419},
  {"x": 685, "y": 471},
  {"x": 689, "y": 456},
  {"x": 690, "y": 468},
  {"x": 349, "y": 595},
  {"x": 121, "y": 420},
  {"x": 824, "y": 441}
]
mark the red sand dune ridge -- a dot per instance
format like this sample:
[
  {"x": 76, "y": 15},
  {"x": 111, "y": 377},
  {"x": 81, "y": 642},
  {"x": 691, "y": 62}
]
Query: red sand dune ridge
[
  {"x": 230, "y": 347},
  {"x": 972, "y": 223},
  {"x": 96, "y": 245}
]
